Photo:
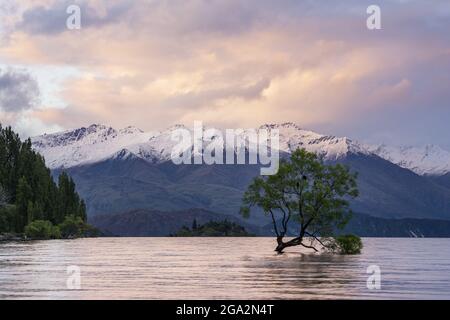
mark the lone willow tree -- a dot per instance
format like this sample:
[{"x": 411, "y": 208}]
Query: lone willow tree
[{"x": 310, "y": 193}]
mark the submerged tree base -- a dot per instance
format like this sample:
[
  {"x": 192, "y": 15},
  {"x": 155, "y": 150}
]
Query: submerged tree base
[
  {"x": 344, "y": 244},
  {"x": 292, "y": 243}
]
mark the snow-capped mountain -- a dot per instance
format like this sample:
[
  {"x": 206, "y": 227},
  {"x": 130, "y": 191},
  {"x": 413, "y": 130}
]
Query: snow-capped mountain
[
  {"x": 427, "y": 160},
  {"x": 116, "y": 171},
  {"x": 98, "y": 142},
  {"x": 293, "y": 137},
  {"x": 86, "y": 145}
]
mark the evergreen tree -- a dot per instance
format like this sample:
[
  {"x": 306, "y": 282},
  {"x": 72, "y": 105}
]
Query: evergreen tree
[
  {"x": 24, "y": 194},
  {"x": 9, "y": 160},
  {"x": 27, "y": 185},
  {"x": 82, "y": 213},
  {"x": 4, "y": 197},
  {"x": 70, "y": 202}
]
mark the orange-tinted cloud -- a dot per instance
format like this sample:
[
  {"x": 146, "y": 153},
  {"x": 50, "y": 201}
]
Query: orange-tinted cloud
[{"x": 234, "y": 63}]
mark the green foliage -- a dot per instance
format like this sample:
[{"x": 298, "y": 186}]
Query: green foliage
[
  {"x": 213, "y": 229},
  {"x": 70, "y": 203},
  {"x": 42, "y": 230},
  {"x": 348, "y": 244},
  {"x": 4, "y": 197},
  {"x": 74, "y": 227},
  {"x": 307, "y": 191},
  {"x": 26, "y": 183},
  {"x": 24, "y": 194},
  {"x": 7, "y": 218}
]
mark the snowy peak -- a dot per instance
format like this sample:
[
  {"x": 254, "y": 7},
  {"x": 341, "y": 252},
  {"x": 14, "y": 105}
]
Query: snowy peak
[
  {"x": 86, "y": 145},
  {"x": 426, "y": 160},
  {"x": 293, "y": 137},
  {"x": 124, "y": 155},
  {"x": 91, "y": 134},
  {"x": 130, "y": 130},
  {"x": 99, "y": 142}
]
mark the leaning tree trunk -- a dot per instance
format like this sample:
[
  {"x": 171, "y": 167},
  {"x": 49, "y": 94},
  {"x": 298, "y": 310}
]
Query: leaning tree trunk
[{"x": 281, "y": 245}]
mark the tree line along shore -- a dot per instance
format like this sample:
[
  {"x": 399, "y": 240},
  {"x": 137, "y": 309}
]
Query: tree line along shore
[{"x": 32, "y": 204}]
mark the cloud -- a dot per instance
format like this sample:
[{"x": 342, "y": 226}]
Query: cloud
[
  {"x": 240, "y": 63},
  {"x": 18, "y": 91},
  {"x": 28, "y": 126},
  {"x": 51, "y": 19}
]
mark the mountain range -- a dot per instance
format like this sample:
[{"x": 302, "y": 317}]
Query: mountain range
[
  {"x": 151, "y": 223},
  {"x": 119, "y": 171},
  {"x": 97, "y": 143}
]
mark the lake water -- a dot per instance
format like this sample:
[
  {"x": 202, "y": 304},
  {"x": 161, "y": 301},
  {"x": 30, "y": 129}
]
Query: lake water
[{"x": 220, "y": 268}]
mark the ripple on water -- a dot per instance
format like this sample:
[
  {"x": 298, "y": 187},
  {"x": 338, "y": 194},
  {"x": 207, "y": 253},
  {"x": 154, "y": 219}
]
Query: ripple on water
[{"x": 221, "y": 268}]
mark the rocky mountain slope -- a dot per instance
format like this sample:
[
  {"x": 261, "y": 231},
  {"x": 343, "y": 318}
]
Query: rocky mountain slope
[
  {"x": 118, "y": 171},
  {"x": 97, "y": 143}
]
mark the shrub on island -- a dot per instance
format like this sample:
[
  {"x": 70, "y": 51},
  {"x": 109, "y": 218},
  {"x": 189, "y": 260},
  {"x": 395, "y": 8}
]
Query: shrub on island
[
  {"x": 348, "y": 244},
  {"x": 42, "y": 230},
  {"x": 72, "y": 227}
]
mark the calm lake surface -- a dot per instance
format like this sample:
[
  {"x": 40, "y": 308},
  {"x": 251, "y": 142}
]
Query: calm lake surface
[{"x": 220, "y": 268}]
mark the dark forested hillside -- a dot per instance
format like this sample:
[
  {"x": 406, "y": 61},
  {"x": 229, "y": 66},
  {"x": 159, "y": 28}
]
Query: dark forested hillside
[
  {"x": 27, "y": 190},
  {"x": 122, "y": 185},
  {"x": 151, "y": 223}
]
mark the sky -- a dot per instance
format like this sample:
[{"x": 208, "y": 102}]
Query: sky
[{"x": 230, "y": 64}]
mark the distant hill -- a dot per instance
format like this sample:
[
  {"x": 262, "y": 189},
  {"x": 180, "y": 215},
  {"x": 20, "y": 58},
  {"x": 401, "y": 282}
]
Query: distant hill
[
  {"x": 223, "y": 228},
  {"x": 117, "y": 185},
  {"x": 368, "y": 226},
  {"x": 390, "y": 191},
  {"x": 153, "y": 223},
  {"x": 443, "y": 180}
]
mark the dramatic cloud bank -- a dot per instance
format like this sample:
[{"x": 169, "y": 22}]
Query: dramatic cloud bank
[
  {"x": 18, "y": 91},
  {"x": 236, "y": 64}
]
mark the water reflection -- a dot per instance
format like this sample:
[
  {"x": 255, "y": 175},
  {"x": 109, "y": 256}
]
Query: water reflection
[
  {"x": 307, "y": 276},
  {"x": 220, "y": 268}
]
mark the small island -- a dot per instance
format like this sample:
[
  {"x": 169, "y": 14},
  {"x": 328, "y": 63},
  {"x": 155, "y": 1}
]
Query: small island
[{"x": 223, "y": 228}]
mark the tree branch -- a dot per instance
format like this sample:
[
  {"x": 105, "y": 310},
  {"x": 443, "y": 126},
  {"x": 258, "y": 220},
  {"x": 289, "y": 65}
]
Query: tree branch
[
  {"x": 274, "y": 223},
  {"x": 309, "y": 247},
  {"x": 316, "y": 238}
]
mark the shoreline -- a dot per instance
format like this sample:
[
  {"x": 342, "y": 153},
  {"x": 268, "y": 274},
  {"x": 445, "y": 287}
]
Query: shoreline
[
  {"x": 19, "y": 237},
  {"x": 11, "y": 237},
  {"x": 16, "y": 237}
]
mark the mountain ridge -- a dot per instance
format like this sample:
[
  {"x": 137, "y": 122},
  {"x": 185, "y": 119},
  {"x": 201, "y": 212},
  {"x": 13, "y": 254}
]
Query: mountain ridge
[
  {"x": 96, "y": 143},
  {"x": 121, "y": 170}
]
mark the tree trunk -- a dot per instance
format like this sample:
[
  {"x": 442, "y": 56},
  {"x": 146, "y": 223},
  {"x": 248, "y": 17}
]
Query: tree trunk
[
  {"x": 280, "y": 247},
  {"x": 283, "y": 245}
]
